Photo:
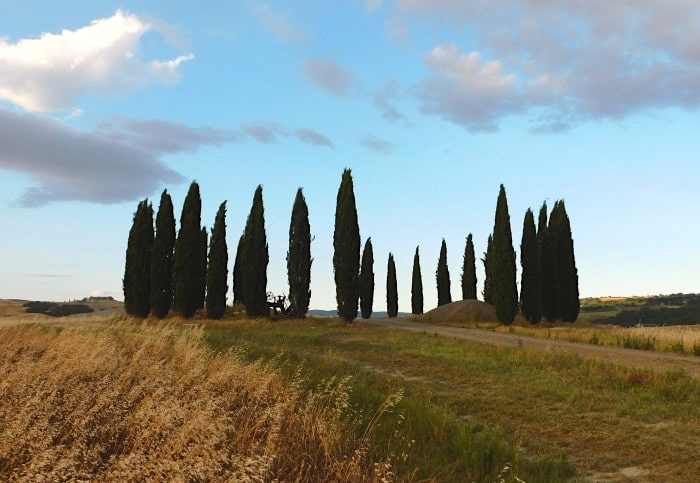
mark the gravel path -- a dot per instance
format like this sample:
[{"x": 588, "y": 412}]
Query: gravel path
[{"x": 658, "y": 361}]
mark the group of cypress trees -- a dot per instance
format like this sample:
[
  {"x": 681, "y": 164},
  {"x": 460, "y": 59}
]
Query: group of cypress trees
[
  {"x": 163, "y": 272},
  {"x": 549, "y": 281}
]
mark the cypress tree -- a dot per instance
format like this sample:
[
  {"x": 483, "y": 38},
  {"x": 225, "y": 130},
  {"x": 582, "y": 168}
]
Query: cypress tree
[
  {"x": 442, "y": 276},
  {"x": 202, "y": 272},
  {"x": 346, "y": 250},
  {"x": 469, "y": 271},
  {"x": 548, "y": 270},
  {"x": 568, "y": 304},
  {"x": 416, "y": 286},
  {"x": 217, "y": 270},
  {"x": 505, "y": 292},
  {"x": 137, "y": 268},
  {"x": 188, "y": 248},
  {"x": 238, "y": 296},
  {"x": 366, "y": 281},
  {"x": 530, "y": 284},
  {"x": 392, "y": 295},
  {"x": 299, "y": 258},
  {"x": 488, "y": 272},
  {"x": 162, "y": 263},
  {"x": 255, "y": 259}
]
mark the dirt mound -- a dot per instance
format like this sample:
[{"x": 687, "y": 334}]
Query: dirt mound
[{"x": 463, "y": 310}]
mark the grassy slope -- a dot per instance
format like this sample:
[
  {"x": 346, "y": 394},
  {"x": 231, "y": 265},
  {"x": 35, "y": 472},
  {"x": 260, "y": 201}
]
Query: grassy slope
[{"x": 474, "y": 409}]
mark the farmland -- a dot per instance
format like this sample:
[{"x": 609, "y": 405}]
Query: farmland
[{"x": 409, "y": 406}]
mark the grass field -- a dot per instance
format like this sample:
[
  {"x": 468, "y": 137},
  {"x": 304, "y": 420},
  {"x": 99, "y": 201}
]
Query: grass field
[
  {"x": 136, "y": 402},
  {"x": 472, "y": 410},
  {"x": 112, "y": 399}
]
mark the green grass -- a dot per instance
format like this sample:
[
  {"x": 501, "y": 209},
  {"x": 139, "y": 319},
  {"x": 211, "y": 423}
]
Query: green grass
[{"x": 469, "y": 410}]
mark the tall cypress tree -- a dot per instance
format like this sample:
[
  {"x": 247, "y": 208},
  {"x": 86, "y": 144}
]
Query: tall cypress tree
[
  {"x": 416, "y": 286},
  {"x": 442, "y": 276},
  {"x": 488, "y": 272},
  {"x": 366, "y": 281},
  {"x": 568, "y": 304},
  {"x": 299, "y": 258},
  {"x": 505, "y": 292},
  {"x": 548, "y": 268},
  {"x": 469, "y": 271},
  {"x": 202, "y": 272},
  {"x": 392, "y": 294},
  {"x": 137, "y": 268},
  {"x": 238, "y": 296},
  {"x": 217, "y": 270},
  {"x": 255, "y": 259},
  {"x": 188, "y": 249},
  {"x": 162, "y": 263},
  {"x": 530, "y": 283},
  {"x": 346, "y": 250}
]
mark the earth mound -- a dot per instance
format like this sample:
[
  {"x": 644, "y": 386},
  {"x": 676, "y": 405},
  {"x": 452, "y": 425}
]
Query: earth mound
[{"x": 463, "y": 310}]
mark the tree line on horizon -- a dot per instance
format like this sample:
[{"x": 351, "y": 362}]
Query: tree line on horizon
[{"x": 164, "y": 271}]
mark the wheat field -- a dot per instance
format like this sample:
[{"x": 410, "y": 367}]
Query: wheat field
[{"x": 152, "y": 403}]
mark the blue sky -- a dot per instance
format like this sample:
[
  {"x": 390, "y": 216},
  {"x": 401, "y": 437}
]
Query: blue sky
[{"x": 432, "y": 104}]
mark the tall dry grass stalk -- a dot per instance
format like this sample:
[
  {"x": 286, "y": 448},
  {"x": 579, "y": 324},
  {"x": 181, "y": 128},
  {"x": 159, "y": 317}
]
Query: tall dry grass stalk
[{"x": 135, "y": 402}]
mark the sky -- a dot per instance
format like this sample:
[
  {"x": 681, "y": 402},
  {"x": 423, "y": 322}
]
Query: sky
[{"x": 433, "y": 104}]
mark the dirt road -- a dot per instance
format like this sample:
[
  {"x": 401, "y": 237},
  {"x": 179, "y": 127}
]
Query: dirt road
[{"x": 658, "y": 361}]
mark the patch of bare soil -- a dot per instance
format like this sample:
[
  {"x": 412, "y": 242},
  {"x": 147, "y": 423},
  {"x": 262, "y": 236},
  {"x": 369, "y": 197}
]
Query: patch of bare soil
[{"x": 463, "y": 310}]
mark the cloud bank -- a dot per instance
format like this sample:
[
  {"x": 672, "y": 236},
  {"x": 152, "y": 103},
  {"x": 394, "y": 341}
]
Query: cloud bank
[
  {"x": 48, "y": 73},
  {"x": 71, "y": 165},
  {"x": 564, "y": 62},
  {"x": 120, "y": 161}
]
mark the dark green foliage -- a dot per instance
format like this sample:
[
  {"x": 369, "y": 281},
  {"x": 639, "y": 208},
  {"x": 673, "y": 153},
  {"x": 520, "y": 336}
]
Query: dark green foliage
[
  {"x": 392, "y": 294},
  {"x": 367, "y": 280},
  {"x": 469, "y": 271},
  {"x": 299, "y": 258},
  {"x": 346, "y": 250},
  {"x": 238, "y": 272},
  {"x": 188, "y": 255},
  {"x": 442, "y": 276},
  {"x": 202, "y": 272},
  {"x": 488, "y": 272},
  {"x": 416, "y": 286},
  {"x": 162, "y": 263},
  {"x": 137, "y": 268},
  {"x": 53, "y": 309},
  {"x": 254, "y": 259},
  {"x": 505, "y": 292},
  {"x": 548, "y": 270},
  {"x": 217, "y": 270},
  {"x": 530, "y": 284},
  {"x": 562, "y": 249}
]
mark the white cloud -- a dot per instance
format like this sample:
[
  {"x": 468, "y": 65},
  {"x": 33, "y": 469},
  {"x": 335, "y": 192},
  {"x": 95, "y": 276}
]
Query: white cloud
[
  {"x": 378, "y": 145},
  {"x": 330, "y": 76},
  {"x": 279, "y": 25},
  {"x": 383, "y": 101},
  {"x": 50, "y": 72},
  {"x": 571, "y": 60},
  {"x": 309, "y": 136},
  {"x": 373, "y": 5},
  {"x": 466, "y": 90}
]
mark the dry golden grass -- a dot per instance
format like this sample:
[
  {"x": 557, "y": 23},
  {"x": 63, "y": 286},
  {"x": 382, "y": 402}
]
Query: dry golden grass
[
  {"x": 684, "y": 339},
  {"x": 153, "y": 403}
]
